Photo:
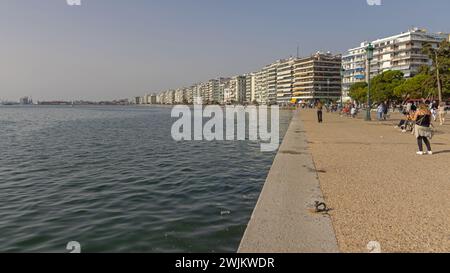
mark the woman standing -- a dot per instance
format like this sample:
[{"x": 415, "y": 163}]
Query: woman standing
[{"x": 422, "y": 130}]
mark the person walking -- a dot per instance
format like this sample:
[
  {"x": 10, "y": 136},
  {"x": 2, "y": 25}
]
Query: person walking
[
  {"x": 320, "y": 112},
  {"x": 442, "y": 113},
  {"x": 422, "y": 128},
  {"x": 385, "y": 110},
  {"x": 353, "y": 111},
  {"x": 380, "y": 111},
  {"x": 434, "y": 110}
]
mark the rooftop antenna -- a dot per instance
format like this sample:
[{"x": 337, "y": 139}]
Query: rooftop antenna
[{"x": 298, "y": 51}]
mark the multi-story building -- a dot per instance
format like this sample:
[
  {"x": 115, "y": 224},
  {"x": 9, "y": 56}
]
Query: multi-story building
[
  {"x": 250, "y": 88},
  {"x": 261, "y": 86},
  {"x": 402, "y": 52},
  {"x": 189, "y": 94},
  {"x": 317, "y": 77},
  {"x": 169, "y": 97},
  {"x": 159, "y": 98},
  {"x": 285, "y": 81},
  {"x": 196, "y": 91},
  {"x": 213, "y": 95},
  {"x": 272, "y": 83},
  {"x": 236, "y": 91},
  {"x": 223, "y": 91},
  {"x": 204, "y": 92},
  {"x": 25, "y": 101},
  {"x": 150, "y": 99},
  {"x": 179, "y": 96}
]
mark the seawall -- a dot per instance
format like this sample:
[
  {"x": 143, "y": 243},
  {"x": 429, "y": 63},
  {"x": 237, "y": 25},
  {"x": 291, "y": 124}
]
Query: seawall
[{"x": 284, "y": 219}]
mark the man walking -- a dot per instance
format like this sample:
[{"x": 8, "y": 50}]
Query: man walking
[{"x": 320, "y": 112}]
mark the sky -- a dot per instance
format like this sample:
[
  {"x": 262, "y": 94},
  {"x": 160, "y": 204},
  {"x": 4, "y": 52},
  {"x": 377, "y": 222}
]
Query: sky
[{"x": 111, "y": 49}]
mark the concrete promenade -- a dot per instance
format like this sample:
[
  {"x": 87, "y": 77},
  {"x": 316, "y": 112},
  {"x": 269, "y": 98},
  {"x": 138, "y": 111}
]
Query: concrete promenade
[
  {"x": 379, "y": 189},
  {"x": 370, "y": 176},
  {"x": 284, "y": 219}
]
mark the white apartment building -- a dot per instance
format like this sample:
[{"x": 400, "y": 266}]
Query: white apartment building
[
  {"x": 169, "y": 97},
  {"x": 223, "y": 91},
  {"x": 272, "y": 83},
  {"x": 204, "y": 92},
  {"x": 261, "y": 87},
  {"x": 402, "y": 52},
  {"x": 149, "y": 99},
  {"x": 213, "y": 95},
  {"x": 285, "y": 81},
  {"x": 179, "y": 96},
  {"x": 250, "y": 81},
  {"x": 189, "y": 94},
  {"x": 236, "y": 91}
]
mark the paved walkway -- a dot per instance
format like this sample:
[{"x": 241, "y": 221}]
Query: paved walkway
[
  {"x": 284, "y": 220},
  {"x": 378, "y": 188}
]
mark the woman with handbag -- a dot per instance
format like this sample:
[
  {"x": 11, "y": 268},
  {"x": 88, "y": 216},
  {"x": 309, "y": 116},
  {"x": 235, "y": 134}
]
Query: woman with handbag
[{"x": 423, "y": 130}]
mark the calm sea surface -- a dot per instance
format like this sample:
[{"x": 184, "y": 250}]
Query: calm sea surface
[{"x": 113, "y": 179}]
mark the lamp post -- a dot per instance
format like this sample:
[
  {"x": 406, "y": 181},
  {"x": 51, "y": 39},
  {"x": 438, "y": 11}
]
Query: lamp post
[{"x": 369, "y": 52}]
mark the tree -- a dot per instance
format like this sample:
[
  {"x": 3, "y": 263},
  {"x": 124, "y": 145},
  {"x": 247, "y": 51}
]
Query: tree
[
  {"x": 383, "y": 85},
  {"x": 358, "y": 92},
  {"x": 441, "y": 58},
  {"x": 414, "y": 88}
]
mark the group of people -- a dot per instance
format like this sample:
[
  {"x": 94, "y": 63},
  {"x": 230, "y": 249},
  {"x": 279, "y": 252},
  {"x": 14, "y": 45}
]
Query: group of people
[
  {"x": 349, "y": 110},
  {"x": 418, "y": 118}
]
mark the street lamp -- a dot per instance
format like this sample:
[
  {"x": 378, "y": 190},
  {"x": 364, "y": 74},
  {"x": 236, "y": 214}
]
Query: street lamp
[{"x": 369, "y": 52}]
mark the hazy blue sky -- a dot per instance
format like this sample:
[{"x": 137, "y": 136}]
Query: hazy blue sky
[{"x": 108, "y": 49}]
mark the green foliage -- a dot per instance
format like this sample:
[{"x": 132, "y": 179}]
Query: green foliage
[
  {"x": 358, "y": 92},
  {"x": 414, "y": 88},
  {"x": 383, "y": 85}
]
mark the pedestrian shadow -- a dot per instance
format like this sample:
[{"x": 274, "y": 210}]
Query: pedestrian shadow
[{"x": 442, "y": 152}]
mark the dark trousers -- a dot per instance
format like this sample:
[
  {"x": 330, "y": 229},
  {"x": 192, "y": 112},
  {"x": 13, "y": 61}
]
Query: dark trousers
[
  {"x": 426, "y": 141},
  {"x": 320, "y": 116}
]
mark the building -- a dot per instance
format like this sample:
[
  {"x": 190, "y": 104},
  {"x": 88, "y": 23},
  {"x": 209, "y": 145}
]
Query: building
[
  {"x": 153, "y": 99},
  {"x": 138, "y": 100},
  {"x": 213, "y": 94},
  {"x": 261, "y": 87},
  {"x": 317, "y": 77},
  {"x": 179, "y": 96},
  {"x": 159, "y": 98},
  {"x": 168, "y": 97},
  {"x": 25, "y": 101},
  {"x": 150, "y": 99},
  {"x": 272, "y": 83},
  {"x": 235, "y": 93},
  {"x": 204, "y": 92},
  {"x": 189, "y": 94},
  {"x": 285, "y": 81},
  {"x": 402, "y": 52},
  {"x": 250, "y": 88}
]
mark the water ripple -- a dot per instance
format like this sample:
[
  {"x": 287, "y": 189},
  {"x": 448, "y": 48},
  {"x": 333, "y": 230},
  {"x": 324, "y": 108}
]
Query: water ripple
[{"x": 113, "y": 179}]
